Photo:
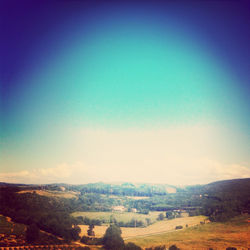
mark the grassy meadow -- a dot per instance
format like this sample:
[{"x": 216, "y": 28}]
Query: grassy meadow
[
  {"x": 156, "y": 228},
  {"x": 235, "y": 233}
]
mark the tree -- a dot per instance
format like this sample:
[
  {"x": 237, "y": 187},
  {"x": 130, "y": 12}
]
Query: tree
[
  {"x": 174, "y": 247},
  {"x": 32, "y": 233},
  {"x": 75, "y": 233},
  {"x": 84, "y": 239},
  {"x": 161, "y": 216},
  {"x": 148, "y": 221},
  {"x": 112, "y": 239},
  {"x": 169, "y": 215},
  {"x": 90, "y": 230}
]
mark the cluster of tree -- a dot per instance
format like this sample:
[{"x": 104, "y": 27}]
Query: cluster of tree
[
  {"x": 87, "y": 221},
  {"x": 49, "y": 214},
  {"x": 226, "y": 199},
  {"x": 221, "y": 211},
  {"x": 111, "y": 240},
  {"x": 170, "y": 215},
  {"x": 131, "y": 223},
  {"x": 220, "y": 200},
  {"x": 94, "y": 202},
  {"x": 91, "y": 240},
  {"x": 127, "y": 189}
]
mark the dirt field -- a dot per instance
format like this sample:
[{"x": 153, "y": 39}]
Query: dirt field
[
  {"x": 235, "y": 233},
  {"x": 156, "y": 228}
]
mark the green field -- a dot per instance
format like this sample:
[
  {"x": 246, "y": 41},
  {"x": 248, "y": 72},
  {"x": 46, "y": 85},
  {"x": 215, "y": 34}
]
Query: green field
[
  {"x": 119, "y": 216},
  {"x": 235, "y": 233}
]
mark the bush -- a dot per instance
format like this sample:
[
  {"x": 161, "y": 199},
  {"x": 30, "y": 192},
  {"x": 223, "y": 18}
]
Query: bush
[
  {"x": 157, "y": 248},
  {"x": 132, "y": 246},
  {"x": 160, "y": 248},
  {"x": 90, "y": 230},
  {"x": 75, "y": 233},
  {"x": 143, "y": 211},
  {"x": 84, "y": 239},
  {"x": 88, "y": 221},
  {"x": 160, "y": 216},
  {"x": 132, "y": 223},
  {"x": 174, "y": 247},
  {"x": 91, "y": 241}
]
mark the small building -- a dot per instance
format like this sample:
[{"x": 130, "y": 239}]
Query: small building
[{"x": 133, "y": 210}]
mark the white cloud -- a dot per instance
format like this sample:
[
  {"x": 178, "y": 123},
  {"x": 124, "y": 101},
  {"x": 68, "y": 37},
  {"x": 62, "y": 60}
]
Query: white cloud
[
  {"x": 204, "y": 171},
  {"x": 177, "y": 155},
  {"x": 61, "y": 173}
]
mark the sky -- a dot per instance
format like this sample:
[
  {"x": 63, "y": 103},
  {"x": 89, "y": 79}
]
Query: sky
[{"x": 154, "y": 92}]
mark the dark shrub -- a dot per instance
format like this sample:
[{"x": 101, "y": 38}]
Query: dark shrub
[
  {"x": 174, "y": 247},
  {"x": 132, "y": 246}
]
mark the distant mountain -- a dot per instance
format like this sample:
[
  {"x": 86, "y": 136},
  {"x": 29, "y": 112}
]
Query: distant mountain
[
  {"x": 229, "y": 187},
  {"x": 234, "y": 185}
]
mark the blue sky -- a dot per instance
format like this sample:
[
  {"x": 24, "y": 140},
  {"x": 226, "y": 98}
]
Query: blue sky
[{"x": 154, "y": 92}]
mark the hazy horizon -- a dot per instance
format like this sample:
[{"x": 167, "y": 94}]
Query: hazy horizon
[
  {"x": 117, "y": 183},
  {"x": 152, "y": 93}
]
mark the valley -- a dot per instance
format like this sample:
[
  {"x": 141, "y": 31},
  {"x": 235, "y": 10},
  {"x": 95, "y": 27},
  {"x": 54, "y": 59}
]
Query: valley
[{"x": 214, "y": 216}]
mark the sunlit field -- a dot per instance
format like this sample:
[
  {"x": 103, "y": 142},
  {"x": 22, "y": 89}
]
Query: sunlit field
[
  {"x": 125, "y": 122},
  {"x": 60, "y": 194},
  {"x": 156, "y": 228},
  {"x": 235, "y": 233}
]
